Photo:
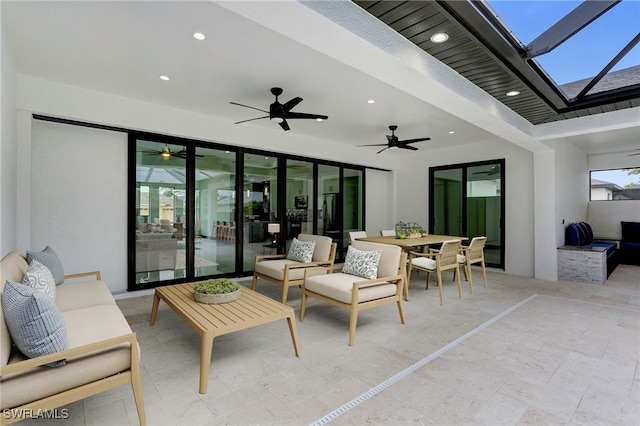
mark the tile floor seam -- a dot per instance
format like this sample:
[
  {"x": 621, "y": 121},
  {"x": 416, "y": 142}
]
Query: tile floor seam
[{"x": 381, "y": 386}]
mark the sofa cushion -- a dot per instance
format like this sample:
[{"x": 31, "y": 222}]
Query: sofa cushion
[
  {"x": 630, "y": 232},
  {"x": 575, "y": 235},
  {"x": 83, "y": 294},
  {"x": 85, "y": 326},
  {"x": 275, "y": 269},
  {"x": 50, "y": 259},
  {"x": 362, "y": 263},
  {"x": 301, "y": 251},
  {"x": 322, "y": 250},
  {"x": 39, "y": 277},
  {"x": 34, "y": 322},
  {"x": 339, "y": 286}
]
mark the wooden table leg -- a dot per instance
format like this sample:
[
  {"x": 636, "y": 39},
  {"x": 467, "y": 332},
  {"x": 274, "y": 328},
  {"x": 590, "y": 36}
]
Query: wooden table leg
[
  {"x": 206, "y": 347},
  {"x": 154, "y": 309},
  {"x": 294, "y": 334}
]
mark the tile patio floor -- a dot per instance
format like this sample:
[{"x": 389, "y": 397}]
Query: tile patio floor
[{"x": 523, "y": 351}]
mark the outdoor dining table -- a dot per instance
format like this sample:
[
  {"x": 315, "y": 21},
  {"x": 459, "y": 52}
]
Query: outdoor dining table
[{"x": 410, "y": 244}]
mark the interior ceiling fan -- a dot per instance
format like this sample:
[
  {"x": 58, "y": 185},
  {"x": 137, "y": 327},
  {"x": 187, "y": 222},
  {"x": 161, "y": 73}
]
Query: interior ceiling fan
[
  {"x": 492, "y": 171},
  {"x": 394, "y": 142},
  {"x": 166, "y": 152},
  {"x": 280, "y": 113}
]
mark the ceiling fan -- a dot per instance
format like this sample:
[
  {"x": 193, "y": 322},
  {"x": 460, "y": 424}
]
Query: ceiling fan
[
  {"x": 166, "y": 152},
  {"x": 394, "y": 142},
  {"x": 492, "y": 171},
  {"x": 637, "y": 153},
  {"x": 279, "y": 113}
]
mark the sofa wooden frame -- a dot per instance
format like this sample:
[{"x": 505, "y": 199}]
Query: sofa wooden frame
[{"x": 34, "y": 408}]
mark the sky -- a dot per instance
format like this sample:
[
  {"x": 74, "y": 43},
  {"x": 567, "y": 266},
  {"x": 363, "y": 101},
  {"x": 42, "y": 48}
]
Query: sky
[
  {"x": 619, "y": 177},
  {"x": 587, "y": 52}
]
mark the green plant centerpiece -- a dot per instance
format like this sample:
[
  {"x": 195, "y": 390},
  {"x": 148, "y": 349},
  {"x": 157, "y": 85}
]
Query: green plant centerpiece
[{"x": 216, "y": 290}]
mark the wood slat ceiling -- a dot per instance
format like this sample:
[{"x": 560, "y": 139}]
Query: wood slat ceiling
[{"x": 417, "y": 20}]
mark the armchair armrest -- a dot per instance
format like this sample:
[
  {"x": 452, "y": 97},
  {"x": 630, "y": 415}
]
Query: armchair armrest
[
  {"x": 369, "y": 283},
  {"x": 269, "y": 256},
  {"x": 84, "y": 274},
  {"x": 316, "y": 269},
  {"x": 305, "y": 265},
  {"x": 27, "y": 364}
]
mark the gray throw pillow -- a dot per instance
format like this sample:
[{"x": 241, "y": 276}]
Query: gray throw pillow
[
  {"x": 301, "y": 251},
  {"x": 362, "y": 263},
  {"x": 39, "y": 277},
  {"x": 50, "y": 259},
  {"x": 35, "y": 324}
]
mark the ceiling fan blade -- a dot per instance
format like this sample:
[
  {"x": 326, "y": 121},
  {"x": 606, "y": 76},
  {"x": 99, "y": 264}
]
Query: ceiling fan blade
[
  {"x": 412, "y": 148},
  {"x": 382, "y": 150},
  {"x": 247, "y": 106},
  {"x": 305, "y": 115},
  {"x": 637, "y": 153},
  {"x": 375, "y": 144},
  {"x": 284, "y": 125},
  {"x": 292, "y": 103},
  {"x": 414, "y": 140},
  {"x": 251, "y": 119}
]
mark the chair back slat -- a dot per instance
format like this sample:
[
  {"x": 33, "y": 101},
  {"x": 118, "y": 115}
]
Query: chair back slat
[
  {"x": 476, "y": 248},
  {"x": 449, "y": 252}
]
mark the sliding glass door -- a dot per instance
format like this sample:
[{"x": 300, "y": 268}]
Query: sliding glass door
[
  {"x": 199, "y": 210},
  {"x": 468, "y": 200}
]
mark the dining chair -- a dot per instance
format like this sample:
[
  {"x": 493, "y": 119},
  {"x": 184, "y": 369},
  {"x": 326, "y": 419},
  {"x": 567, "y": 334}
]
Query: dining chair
[
  {"x": 371, "y": 276},
  {"x": 444, "y": 259},
  {"x": 388, "y": 233},
  {"x": 287, "y": 270},
  {"x": 353, "y": 235},
  {"x": 473, "y": 253}
]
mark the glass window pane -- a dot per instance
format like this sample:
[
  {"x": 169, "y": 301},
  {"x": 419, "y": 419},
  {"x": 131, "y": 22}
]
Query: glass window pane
[
  {"x": 215, "y": 212},
  {"x": 621, "y": 184},
  {"x": 448, "y": 202},
  {"x": 259, "y": 201},
  {"x": 160, "y": 208},
  {"x": 299, "y": 199},
  {"x": 328, "y": 189},
  {"x": 352, "y": 205}
]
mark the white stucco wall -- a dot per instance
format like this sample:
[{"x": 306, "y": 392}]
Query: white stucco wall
[{"x": 8, "y": 150}]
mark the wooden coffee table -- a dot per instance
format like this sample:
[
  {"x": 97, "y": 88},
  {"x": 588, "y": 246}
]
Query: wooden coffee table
[{"x": 209, "y": 321}]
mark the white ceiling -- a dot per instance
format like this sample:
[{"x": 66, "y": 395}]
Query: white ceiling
[{"x": 123, "y": 47}]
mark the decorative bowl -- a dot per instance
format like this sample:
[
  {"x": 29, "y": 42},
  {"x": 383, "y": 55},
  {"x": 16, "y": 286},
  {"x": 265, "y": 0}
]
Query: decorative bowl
[{"x": 212, "y": 299}]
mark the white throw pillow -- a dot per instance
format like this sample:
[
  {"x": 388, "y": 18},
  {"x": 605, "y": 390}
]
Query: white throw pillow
[
  {"x": 301, "y": 251},
  {"x": 362, "y": 263},
  {"x": 40, "y": 278}
]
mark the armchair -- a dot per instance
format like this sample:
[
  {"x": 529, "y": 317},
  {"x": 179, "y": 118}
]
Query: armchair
[
  {"x": 444, "y": 259},
  {"x": 280, "y": 270},
  {"x": 357, "y": 288}
]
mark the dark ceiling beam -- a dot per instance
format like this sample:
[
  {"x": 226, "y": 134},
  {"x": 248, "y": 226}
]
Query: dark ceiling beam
[
  {"x": 585, "y": 13},
  {"x": 608, "y": 67},
  {"x": 482, "y": 25}
]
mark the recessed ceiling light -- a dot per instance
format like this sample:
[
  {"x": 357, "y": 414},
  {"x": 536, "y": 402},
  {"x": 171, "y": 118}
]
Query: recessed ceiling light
[
  {"x": 439, "y": 37},
  {"x": 165, "y": 77},
  {"x": 451, "y": 132},
  {"x": 513, "y": 93},
  {"x": 199, "y": 36},
  {"x": 371, "y": 101}
]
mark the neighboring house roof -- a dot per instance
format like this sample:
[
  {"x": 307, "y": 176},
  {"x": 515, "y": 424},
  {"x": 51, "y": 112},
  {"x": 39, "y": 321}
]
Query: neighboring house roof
[{"x": 596, "y": 183}]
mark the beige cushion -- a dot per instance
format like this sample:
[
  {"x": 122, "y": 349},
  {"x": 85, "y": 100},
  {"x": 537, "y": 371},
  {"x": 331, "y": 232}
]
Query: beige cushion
[
  {"x": 338, "y": 286},
  {"x": 84, "y": 326},
  {"x": 83, "y": 294},
  {"x": 275, "y": 269},
  {"x": 323, "y": 246},
  {"x": 461, "y": 258},
  {"x": 424, "y": 262},
  {"x": 389, "y": 259}
]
